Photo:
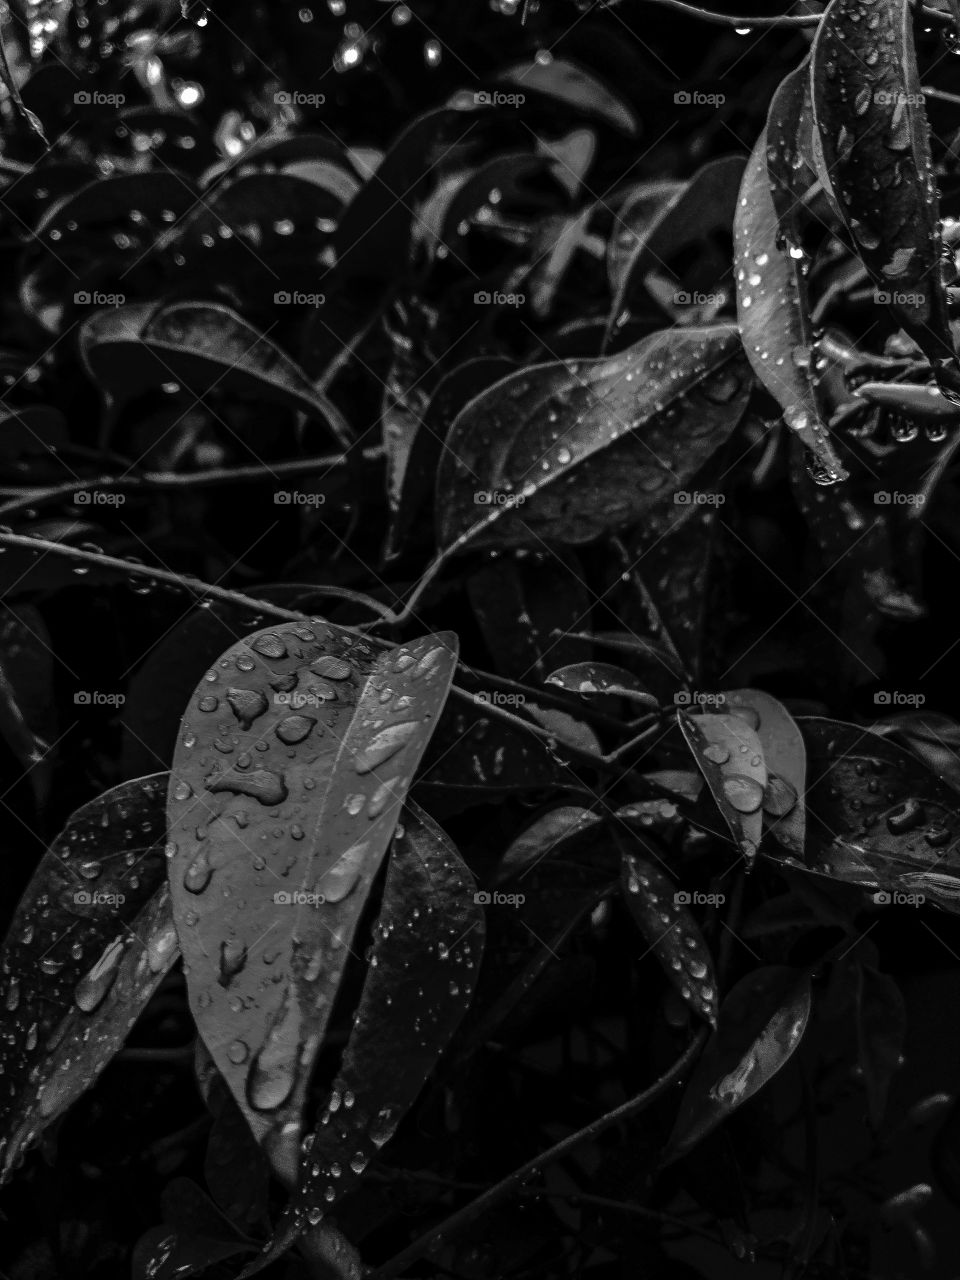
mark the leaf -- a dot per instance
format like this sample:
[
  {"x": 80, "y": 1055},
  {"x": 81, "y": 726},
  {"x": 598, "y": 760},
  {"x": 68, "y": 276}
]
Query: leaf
[
  {"x": 570, "y": 451},
  {"x": 287, "y": 783},
  {"x": 640, "y": 209},
  {"x": 13, "y": 89},
  {"x": 785, "y": 758},
  {"x": 877, "y": 817},
  {"x": 428, "y": 943},
  {"x": 697, "y": 209},
  {"x": 194, "y": 1236},
  {"x": 931, "y": 736},
  {"x": 547, "y": 834},
  {"x": 881, "y": 1028},
  {"x": 762, "y": 1022},
  {"x": 873, "y": 131},
  {"x": 773, "y": 314},
  {"x": 659, "y": 911},
  {"x": 234, "y": 1168},
  {"x": 730, "y": 757},
  {"x": 88, "y": 943},
  {"x": 27, "y": 713},
  {"x": 601, "y": 679},
  {"x": 203, "y": 346},
  {"x": 575, "y": 87}
]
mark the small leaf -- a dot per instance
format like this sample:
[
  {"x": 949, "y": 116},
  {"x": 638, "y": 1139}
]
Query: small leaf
[
  {"x": 86, "y": 947},
  {"x": 785, "y": 757},
  {"x": 926, "y": 402},
  {"x": 601, "y": 678},
  {"x": 292, "y": 765},
  {"x": 868, "y": 108},
  {"x": 547, "y": 834},
  {"x": 575, "y": 87},
  {"x": 570, "y": 451},
  {"x": 202, "y": 346},
  {"x": 660, "y": 913},
  {"x": 428, "y": 943},
  {"x": 730, "y": 757},
  {"x": 773, "y": 314},
  {"x": 762, "y": 1022}
]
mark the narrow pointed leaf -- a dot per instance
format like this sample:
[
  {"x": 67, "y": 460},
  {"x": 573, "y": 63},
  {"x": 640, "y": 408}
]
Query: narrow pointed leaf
[
  {"x": 547, "y": 834},
  {"x": 730, "y": 757},
  {"x": 602, "y": 678},
  {"x": 89, "y": 909},
  {"x": 574, "y": 86},
  {"x": 672, "y": 933},
  {"x": 570, "y": 451},
  {"x": 874, "y": 135},
  {"x": 762, "y": 1022},
  {"x": 202, "y": 346},
  {"x": 785, "y": 757},
  {"x": 294, "y": 758}
]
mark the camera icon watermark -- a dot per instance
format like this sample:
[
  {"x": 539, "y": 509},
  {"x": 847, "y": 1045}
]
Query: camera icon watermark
[
  {"x": 295, "y": 298},
  {"x": 484, "y": 298},
  {"x": 298, "y": 898},
  {"x": 494, "y": 98},
  {"x": 294, "y": 98},
  {"x": 94, "y": 98},
  {"x": 896, "y": 698},
  {"x": 694, "y": 898},
  {"x": 98, "y": 498},
  {"x": 86, "y": 298},
  {"x": 97, "y": 698},
  {"x": 894, "y": 898},
  {"x": 296, "y": 498},
  {"x": 497, "y": 698},
  {"x": 494, "y": 898},
  {"x": 698, "y": 698},
  {"x": 97, "y": 898},
  {"x": 894, "y": 498},
  {"x": 694, "y": 98},
  {"x": 698, "y": 498}
]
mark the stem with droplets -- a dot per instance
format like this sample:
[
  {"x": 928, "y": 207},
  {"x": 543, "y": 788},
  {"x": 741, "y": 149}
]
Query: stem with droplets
[{"x": 509, "y": 1185}]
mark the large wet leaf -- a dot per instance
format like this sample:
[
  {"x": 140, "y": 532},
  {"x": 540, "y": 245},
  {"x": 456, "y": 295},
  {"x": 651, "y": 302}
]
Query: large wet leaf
[
  {"x": 88, "y": 942},
  {"x": 876, "y": 816},
  {"x": 27, "y": 712},
  {"x": 427, "y": 946},
  {"x": 868, "y": 108},
  {"x": 773, "y": 313},
  {"x": 567, "y": 452},
  {"x": 762, "y": 1021},
  {"x": 785, "y": 758},
  {"x": 295, "y": 756},
  {"x": 201, "y": 346},
  {"x": 730, "y": 756},
  {"x": 659, "y": 909}
]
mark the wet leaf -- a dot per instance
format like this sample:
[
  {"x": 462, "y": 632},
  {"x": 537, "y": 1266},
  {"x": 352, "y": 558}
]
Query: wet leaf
[
  {"x": 762, "y": 1021},
  {"x": 931, "y": 736},
  {"x": 660, "y": 912},
  {"x": 575, "y": 87},
  {"x": 773, "y": 313},
  {"x": 548, "y": 834},
  {"x": 602, "y": 678},
  {"x": 292, "y": 764},
  {"x": 199, "y": 346},
  {"x": 427, "y": 947},
  {"x": 785, "y": 757},
  {"x": 27, "y": 713},
  {"x": 868, "y": 109},
  {"x": 567, "y": 452},
  {"x": 729, "y": 754},
  {"x": 641, "y": 207},
  {"x": 89, "y": 942},
  {"x": 194, "y": 1235}
]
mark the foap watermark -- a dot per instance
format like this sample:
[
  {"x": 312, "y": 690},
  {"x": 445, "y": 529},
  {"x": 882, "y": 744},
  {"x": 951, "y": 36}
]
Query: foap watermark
[
  {"x": 297, "y": 498},
  {"x": 684, "y": 299},
  {"x": 298, "y": 898},
  {"x": 97, "y": 698},
  {"x": 295, "y": 298},
  {"x": 897, "y": 698},
  {"x": 884, "y": 98},
  {"x": 94, "y": 98},
  {"x": 694, "y": 898},
  {"x": 98, "y": 898},
  {"x": 694, "y": 98},
  {"x": 698, "y": 698},
  {"x": 294, "y": 98},
  {"x": 497, "y": 698},
  {"x": 698, "y": 498},
  {"x": 98, "y": 498},
  {"x": 86, "y": 298},
  {"x": 494, "y": 898},
  {"x": 891, "y": 298},
  {"x": 497, "y": 498},
  {"x": 494, "y": 98},
  {"x": 895, "y": 898},
  {"x": 894, "y": 498},
  {"x": 296, "y": 700},
  {"x": 483, "y": 298}
]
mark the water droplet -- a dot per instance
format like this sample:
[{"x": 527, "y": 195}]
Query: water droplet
[
  {"x": 247, "y": 705},
  {"x": 384, "y": 745},
  {"x": 263, "y": 785},
  {"x": 744, "y": 794},
  {"x": 90, "y": 991},
  {"x": 293, "y": 729},
  {"x": 342, "y": 877}
]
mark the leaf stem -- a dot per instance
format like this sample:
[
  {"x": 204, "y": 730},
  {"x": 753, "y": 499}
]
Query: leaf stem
[{"x": 511, "y": 1184}]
